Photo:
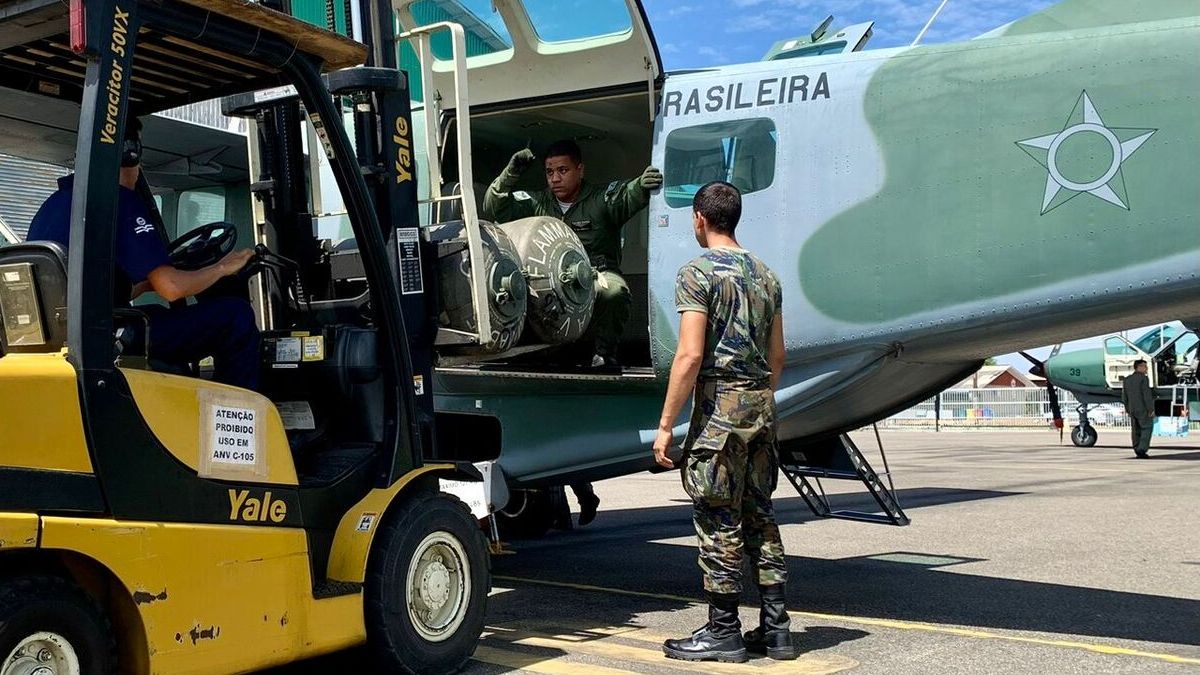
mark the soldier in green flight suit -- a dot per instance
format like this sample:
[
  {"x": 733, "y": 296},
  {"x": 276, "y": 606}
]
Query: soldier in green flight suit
[{"x": 595, "y": 213}]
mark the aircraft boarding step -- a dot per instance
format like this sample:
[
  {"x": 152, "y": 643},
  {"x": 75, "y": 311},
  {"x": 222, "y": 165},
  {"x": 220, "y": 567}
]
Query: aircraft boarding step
[{"x": 839, "y": 459}]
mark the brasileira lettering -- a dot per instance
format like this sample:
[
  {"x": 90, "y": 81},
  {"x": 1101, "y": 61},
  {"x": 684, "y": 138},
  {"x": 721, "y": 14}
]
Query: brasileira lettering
[{"x": 783, "y": 90}]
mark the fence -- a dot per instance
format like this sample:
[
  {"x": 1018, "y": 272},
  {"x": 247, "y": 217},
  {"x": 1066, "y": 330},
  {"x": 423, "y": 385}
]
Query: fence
[{"x": 1002, "y": 407}]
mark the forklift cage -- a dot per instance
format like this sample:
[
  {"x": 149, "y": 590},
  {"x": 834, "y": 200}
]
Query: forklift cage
[{"x": 470, "y": 210}]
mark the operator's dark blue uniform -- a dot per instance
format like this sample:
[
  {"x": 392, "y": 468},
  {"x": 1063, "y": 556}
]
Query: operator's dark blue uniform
[{"x": 222, "y": 328}]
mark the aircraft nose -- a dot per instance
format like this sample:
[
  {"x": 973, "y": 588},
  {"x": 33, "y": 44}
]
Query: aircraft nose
[{"x": 1084, "y": 366}]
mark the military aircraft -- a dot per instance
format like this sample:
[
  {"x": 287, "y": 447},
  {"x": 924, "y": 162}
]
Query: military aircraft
[
  {"x": 926, "y": 207},
  {"x": 1094, "y": 375}
]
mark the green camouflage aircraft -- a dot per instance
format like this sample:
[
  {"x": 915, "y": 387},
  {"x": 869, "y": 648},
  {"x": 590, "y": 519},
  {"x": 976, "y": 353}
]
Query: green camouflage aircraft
[
  {"x": 926, "y": 207},
  {"x": 1094, "y": 376}
]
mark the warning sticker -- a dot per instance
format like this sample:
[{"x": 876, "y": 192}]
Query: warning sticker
[
  {"x": 318, "y": 126},
  {"x": 296, "y": 415},
  {"x": 314, "y": 348},
  {"x": 231, "y": 437},
  {"x": 366, "y": 521},
  {"x": 419, "y": 385},
  {"x": 274, "y": 93},
  {"x": 235, "y": 436},
  {"x": 409, "y": 249},
  {"x": 288, "y": 350}
]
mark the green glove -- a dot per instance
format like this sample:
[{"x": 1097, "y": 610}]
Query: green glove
[
  {"x": 521, "y": 160},
  {"x": 651, "y": 178}
]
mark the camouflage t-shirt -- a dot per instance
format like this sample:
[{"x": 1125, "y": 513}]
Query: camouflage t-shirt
[{"x": 741, "y": 297}]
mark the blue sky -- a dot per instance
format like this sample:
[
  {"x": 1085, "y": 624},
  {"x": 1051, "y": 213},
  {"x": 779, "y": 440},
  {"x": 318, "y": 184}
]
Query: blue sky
[{"x": 698, "y": 33}]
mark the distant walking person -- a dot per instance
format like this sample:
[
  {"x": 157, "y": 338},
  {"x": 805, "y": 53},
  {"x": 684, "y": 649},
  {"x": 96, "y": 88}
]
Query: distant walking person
[
  {"x": 730, "y": 354},
  {"x": 1139, "y": 403}
]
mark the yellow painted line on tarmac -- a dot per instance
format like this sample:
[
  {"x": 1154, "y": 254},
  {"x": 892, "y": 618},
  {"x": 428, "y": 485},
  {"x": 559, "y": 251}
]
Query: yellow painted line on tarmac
[
  {"x": 1057, "y": 467},
  {"x": 538, "y": 664},
  {"x": 892, "y": 623}
]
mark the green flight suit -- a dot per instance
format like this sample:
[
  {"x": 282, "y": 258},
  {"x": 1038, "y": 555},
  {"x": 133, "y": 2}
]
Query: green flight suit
[
  {"x": 1139, "y": 403},
  {"x": 597, "y": 216}
]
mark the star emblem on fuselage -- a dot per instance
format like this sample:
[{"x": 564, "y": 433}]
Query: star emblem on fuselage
[{"x": 1089, "y": 175}]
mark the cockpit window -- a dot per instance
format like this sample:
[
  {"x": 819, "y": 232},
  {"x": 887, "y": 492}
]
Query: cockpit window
[
  {"x": 1115, "y": 346},
  {"x": 1156, "y": 339},
  {"x": 812, "y": 50},
  {"x": 740, "y": 152},
  {"x": 570, "y": 20},
  {"x": 485, "y": 29}
]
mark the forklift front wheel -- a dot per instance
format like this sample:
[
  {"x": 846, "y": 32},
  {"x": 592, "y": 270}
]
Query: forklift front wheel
[
  {"x": 427, "y": 586},
  {"x": 50, "y": 627},
  {"x": 1084, "y": 436}
]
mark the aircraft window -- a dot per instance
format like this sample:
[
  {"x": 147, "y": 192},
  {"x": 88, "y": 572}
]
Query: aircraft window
[
  {"x": 568, "y": 20},
  {"x": 199, "y": 207},
  {"x": 485, "y": 29},
  {"x": 813, "y": 50},
  {"x": 1115, "y": 346},
  {"x": 1155, "y": 339},
  {"x": 740, "y": 152}
]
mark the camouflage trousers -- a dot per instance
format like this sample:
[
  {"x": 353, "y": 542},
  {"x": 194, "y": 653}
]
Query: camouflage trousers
[{"x": 730, "y": 469}]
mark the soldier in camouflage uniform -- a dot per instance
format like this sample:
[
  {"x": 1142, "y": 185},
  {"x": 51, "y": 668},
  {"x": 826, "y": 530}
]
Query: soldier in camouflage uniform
[
  {"x": 731, "y": 351},
  {"x": 596, "y": 214}
]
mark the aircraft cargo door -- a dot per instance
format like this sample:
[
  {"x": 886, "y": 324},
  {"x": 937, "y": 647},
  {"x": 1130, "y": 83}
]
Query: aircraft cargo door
[{"x": 1119, "y": 357}]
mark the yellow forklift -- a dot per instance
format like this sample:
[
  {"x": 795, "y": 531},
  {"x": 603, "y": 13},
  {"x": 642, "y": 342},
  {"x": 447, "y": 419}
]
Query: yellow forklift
[{"x": 152, "y": 520}]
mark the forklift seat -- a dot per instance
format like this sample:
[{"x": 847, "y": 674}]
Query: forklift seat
[
  {"x": 131, "y": 328},
  {"x": 48, "y": 263}
]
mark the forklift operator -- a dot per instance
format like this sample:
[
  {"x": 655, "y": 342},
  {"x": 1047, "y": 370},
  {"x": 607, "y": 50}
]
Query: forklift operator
[{"x": 223, "y": 327}]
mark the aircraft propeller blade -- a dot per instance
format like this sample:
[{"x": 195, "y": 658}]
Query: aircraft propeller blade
[{"x": 1039, "y": 370}]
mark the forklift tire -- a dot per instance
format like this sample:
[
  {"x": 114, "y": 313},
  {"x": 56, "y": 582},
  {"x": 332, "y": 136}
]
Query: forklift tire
[
  {"x": 427, "y": 586},
  {"x": 1084, "y": 436},
  {"x": 49, "y": 625}
]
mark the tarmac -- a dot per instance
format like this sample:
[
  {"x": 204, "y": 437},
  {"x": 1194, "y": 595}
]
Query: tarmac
[{"x": 1023, "y": 555}]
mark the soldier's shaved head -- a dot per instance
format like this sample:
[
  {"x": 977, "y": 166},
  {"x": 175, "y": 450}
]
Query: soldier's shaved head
[{"x": 721, "y": 206}]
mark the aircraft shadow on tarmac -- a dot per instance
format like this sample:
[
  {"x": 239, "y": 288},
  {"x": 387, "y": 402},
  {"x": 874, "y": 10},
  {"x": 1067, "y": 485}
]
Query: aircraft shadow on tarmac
[{"x": 901, "y": 585}]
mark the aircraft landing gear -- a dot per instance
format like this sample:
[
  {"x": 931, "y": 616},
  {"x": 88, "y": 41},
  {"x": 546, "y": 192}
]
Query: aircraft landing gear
[
  {"x": 1084, "y": 435},
  {"x": 530, "y": 514}
]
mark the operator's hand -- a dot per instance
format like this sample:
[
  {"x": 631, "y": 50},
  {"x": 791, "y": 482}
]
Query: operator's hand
[
  {"x": 521, "y": 160},
  {"x": 651, "y": 178},
  {"x": 234, "y": 262},
  {"x": 662, "y": 443}
]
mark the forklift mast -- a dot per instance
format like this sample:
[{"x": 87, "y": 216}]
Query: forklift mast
[{"x": 378, "y": 97}]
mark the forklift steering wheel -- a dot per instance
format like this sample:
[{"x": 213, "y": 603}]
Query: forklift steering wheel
[{"x": 203, "y": 246}]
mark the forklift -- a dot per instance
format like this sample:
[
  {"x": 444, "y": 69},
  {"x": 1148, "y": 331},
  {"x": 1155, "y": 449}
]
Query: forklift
[{"x": 155, "y": 521}]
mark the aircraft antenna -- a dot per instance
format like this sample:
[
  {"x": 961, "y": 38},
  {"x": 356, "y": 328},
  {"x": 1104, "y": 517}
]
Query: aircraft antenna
[{"x": 929, "y": 22}]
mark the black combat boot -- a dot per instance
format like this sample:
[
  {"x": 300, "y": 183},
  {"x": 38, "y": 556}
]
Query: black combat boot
[
  {"x": 773, "y": 635},
  {"x": 718, "y": 640}
]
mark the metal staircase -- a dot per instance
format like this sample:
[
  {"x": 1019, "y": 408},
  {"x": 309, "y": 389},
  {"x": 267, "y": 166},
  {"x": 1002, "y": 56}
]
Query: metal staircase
[{"x": 838, "y": 458}]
